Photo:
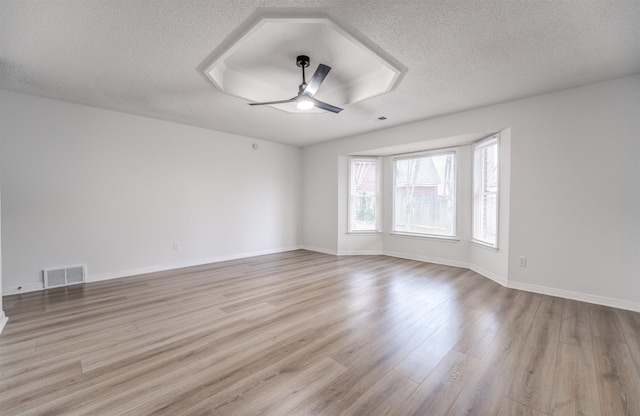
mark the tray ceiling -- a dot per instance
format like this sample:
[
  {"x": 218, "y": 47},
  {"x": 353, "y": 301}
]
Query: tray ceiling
[{"x": 260, "y": 64}]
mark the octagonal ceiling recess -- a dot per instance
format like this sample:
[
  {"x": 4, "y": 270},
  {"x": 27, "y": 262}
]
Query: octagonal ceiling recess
[{"x": 260, "y": 64}]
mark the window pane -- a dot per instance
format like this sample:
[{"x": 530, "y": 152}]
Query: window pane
[
  {"x": 424, "y": 195},
  {"x": 489, "y": 166},
  {"x": 486, "y": 224},
  {"x": 363, "y": 215},
  {"x": 485, "y": 203}
]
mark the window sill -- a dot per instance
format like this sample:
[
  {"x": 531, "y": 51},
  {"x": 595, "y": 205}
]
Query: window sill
[
  {"x": 485, "y": 245},
  {"x": 364, "y": 232},
  {"x": 425, "y": 237}
]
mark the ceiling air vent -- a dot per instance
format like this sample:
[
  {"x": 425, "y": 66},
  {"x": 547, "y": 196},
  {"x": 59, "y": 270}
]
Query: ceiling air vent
[{"x": 66, "y": 276}]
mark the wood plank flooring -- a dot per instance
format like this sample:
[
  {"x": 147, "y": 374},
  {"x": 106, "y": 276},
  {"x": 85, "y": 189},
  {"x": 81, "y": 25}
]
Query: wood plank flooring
[{"x": 302, "y": 333}]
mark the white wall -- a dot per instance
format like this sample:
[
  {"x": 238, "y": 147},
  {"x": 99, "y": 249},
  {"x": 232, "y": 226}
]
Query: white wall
[
  {"x": 320, "y": 199},
  {"x": 114, "y": 191},
  {"x": 574, "y": 199},
  {"x": 84, "y": 185}
]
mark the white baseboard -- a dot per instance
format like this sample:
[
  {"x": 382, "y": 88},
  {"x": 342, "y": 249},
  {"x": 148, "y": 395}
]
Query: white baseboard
[
  {"x": 426, "y": 259},
  {"x": 561, "y": 293},
  {"x": 489, "y": 275},
  {"x": 579, "y": 296},
  {"x": 152, "y": 269},
  {"x": 32, "y": 287},
  {"x": 187, "y": 263},
  {"x": 544, "y": 290},
  {"x": 319, "y": 250},
  {"x": 3, "y": 320},
  {"x": 360, "y": 253}
]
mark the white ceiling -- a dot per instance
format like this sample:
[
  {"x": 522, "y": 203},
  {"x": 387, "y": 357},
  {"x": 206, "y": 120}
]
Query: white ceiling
[
  {"x": 360, "y": 72},
  {"x": 147, "y": 57}
]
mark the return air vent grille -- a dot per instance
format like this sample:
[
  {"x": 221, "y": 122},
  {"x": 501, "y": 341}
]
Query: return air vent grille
[{"x": 66, "y": 276}]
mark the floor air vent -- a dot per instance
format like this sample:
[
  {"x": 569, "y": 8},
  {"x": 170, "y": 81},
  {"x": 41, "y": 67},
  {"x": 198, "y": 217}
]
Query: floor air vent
[{"x": 67, "y": 276}]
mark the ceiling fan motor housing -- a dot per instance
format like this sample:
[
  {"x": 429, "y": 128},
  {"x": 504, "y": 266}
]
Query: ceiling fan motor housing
[{"x": 302, "y": 61}]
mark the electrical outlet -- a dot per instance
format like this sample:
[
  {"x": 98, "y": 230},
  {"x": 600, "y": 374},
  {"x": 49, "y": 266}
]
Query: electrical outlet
[
  {"x": 522, "y": 261},
  {"x": 177, "y": 246}
]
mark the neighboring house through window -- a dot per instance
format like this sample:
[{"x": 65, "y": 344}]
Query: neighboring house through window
[{"x": 424, "y": 194}]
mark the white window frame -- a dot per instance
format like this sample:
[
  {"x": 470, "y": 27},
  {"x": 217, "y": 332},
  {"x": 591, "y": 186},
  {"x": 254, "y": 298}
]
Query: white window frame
[
  {"x": 378, "y": 206},
  {"x": 455, "y": 152},
  {"x": 477, "y": 147}
]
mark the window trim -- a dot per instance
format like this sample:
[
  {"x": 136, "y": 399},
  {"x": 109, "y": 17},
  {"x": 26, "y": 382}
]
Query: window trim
[
  {"x": 486, "y": 142},
  {"x": 378, "y": 165},
  {"x": 435, "y": 152}
]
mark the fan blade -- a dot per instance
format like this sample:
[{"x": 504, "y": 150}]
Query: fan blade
[
  {"x": 316, "y": 80},
  {"x": 319, "y": 104},
  {"x": 276, "y": 102}
]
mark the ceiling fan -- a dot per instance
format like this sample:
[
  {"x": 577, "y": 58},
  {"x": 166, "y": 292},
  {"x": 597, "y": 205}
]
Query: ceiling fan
[{"x": 305, "y": 99}]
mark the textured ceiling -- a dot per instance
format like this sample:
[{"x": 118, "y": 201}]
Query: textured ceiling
[{"x": 146, "y": 57}]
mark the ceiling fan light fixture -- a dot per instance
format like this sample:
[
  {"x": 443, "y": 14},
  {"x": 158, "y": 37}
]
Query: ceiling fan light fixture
[
  {"x": 304, "y": 103},
  {"x": 305, "y": 99}
]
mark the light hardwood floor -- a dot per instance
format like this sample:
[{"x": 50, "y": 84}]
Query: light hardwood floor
[{"x": 302, "y": 333}]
